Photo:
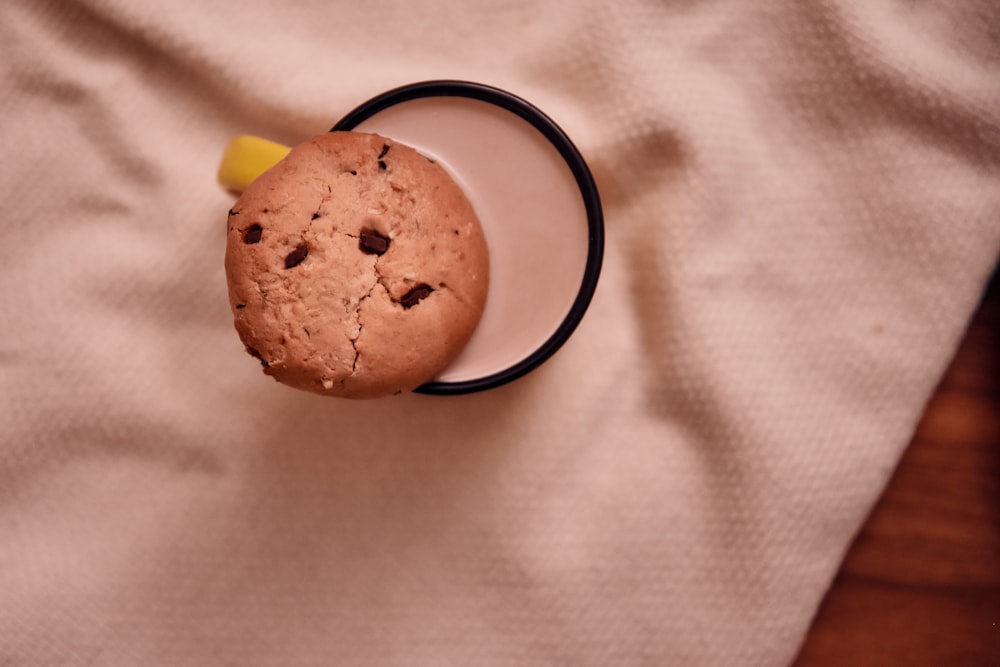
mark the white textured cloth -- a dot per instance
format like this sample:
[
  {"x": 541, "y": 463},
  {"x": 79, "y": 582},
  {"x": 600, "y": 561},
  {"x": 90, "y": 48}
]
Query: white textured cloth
[{"x": 802, "y": 204}]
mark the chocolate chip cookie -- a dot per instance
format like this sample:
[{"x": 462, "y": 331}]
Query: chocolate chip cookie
[{"x": 356, "y": 267}]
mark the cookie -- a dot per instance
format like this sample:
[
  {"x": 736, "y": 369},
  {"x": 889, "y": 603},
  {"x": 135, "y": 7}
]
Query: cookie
[{"x": 356, "y": 267}]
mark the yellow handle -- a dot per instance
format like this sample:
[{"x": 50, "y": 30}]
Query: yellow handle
[{"x": 246, "y": 158}]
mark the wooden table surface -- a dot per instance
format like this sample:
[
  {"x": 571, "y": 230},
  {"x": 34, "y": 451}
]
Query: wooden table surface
[{"x": 921, "y": 583}]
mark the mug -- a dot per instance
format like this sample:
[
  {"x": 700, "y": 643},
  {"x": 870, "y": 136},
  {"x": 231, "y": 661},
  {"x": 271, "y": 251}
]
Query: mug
[{"x": 535, "y": 198}]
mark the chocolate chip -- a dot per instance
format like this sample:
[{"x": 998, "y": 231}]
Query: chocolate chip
[
  {"x": 385, "y": 149},
  {"x": 381, "y": 165},
  {"x": 353, "y": 172},
  {"x": 252, "y": 234},
  {"x": 416, "y": 295},
  {"x": 295, "y": 257},
  {"x": 232, "y": 212},
  {"x": 373, "y": 243},
  {"x": 255, "y": 354},
  {"x": 240, "y": 306},
  {"x": 315, "y": 215}
]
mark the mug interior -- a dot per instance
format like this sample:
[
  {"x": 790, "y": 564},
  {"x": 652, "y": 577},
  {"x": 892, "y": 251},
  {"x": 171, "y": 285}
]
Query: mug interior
[{"x": 538, "y": 206}]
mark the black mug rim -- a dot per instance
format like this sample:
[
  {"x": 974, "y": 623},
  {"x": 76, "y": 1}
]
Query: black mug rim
[{"x": 584, "y": 180}]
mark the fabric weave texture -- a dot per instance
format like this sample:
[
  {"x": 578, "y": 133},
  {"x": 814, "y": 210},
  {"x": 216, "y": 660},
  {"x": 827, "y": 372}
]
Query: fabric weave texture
[{"x": 802, "y": 204}]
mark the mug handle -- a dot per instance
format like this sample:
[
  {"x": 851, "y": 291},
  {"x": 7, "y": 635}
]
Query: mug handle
[{"x": 245, "y": 158}]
